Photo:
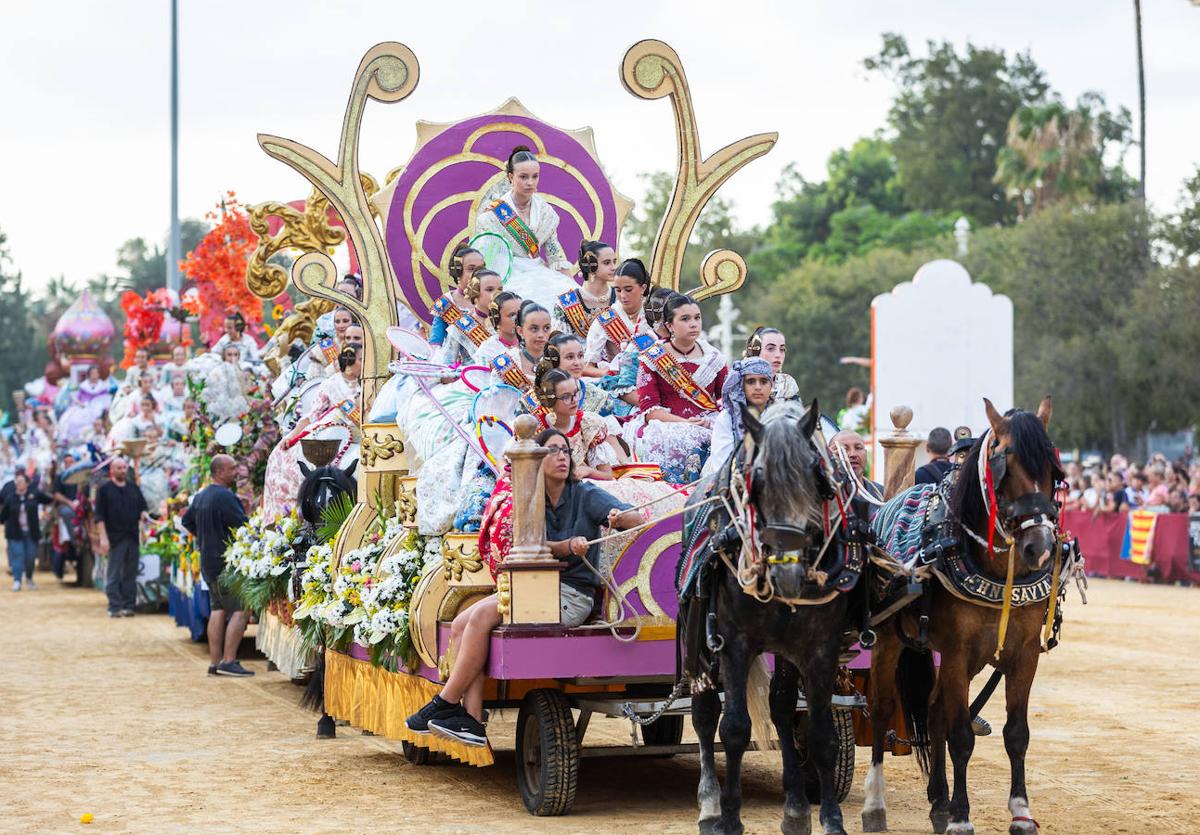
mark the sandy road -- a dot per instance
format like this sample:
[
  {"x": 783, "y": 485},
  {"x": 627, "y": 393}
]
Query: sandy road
[{"x": 117, "y": 718}]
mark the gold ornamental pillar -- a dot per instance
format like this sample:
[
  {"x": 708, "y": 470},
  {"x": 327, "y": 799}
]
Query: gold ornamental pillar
[
  {"x": 899, "y": 453},
  {"x": 528, "y": 583}
]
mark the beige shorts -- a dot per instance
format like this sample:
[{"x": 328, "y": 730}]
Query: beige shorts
[{"x": 575, "y": 606}]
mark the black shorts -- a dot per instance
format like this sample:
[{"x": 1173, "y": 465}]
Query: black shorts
[{"x": 220, "y": 597}]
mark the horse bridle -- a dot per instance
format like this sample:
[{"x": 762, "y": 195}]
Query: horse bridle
[{"x": 1027, "y": 511}]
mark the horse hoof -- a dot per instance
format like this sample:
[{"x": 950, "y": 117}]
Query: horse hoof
[
  {"x": 874, "y": 820},
  {"x": 325, "y": 728},
  {"x": 961, "y": 828},
  {"x": 796, "y": 825},
  {"x": 1025, "y": 827},
  {"x": 710, "y": 826},
  {"x": 940, "y": 821}
]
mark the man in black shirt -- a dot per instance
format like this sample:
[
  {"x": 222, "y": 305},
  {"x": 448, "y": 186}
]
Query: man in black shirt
[
  {"x": 64, "y": 509},
  {"x": 938, "y": 446},
  {"x": 214, "y": 515},
  {"x": 120, "y": 507}
]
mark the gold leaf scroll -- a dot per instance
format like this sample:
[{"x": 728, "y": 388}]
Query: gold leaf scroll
[{"x": 652, "y": 70}]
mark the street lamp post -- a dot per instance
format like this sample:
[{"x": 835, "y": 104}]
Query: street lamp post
[{"x": 173, "y": 245}]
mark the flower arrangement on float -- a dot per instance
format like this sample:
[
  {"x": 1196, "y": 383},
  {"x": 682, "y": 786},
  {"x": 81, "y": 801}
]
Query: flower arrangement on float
[
  {"x": 260, "y": 559},
  {"x": 365, "y": 599}
]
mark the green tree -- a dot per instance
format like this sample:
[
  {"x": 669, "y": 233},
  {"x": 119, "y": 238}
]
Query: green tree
[
  {"x": 1053, "y": 152},
  {"x": 1179, "y": 233},
  {"x": 1071, "y": 272},
  {"x": 950, "y": 117},
  {"x": 20, "y": 364}
]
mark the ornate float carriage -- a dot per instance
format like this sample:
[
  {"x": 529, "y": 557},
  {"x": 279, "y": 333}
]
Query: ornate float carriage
[{"x": 403, "y": 236}]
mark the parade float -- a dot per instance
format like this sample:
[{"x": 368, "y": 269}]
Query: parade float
[{"x": 379, "y": 597}]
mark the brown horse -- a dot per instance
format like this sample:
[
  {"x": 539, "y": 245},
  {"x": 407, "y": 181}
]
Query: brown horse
[{"x": 1022, "y": 467}]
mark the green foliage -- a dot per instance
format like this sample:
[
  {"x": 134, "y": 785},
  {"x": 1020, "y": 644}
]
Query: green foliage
[
  {"x": 1179, "y": 233},
  {"x": 14, "y": 336},
  {"x": 950, "y": 117},
  {"x": 1053, "y": 152},
  {"x": 1072, "y": 273},
  {"x": 255, "y": 594},
  {"x": 334, "y": 515},
  {"x": 824, "y": 308}
]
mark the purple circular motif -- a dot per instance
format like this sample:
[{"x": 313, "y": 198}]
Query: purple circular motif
[{"x": 432, "y": 206}]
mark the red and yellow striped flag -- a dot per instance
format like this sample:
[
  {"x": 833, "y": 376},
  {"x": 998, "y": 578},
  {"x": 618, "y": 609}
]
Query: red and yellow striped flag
[{"x": 1139, "y": 535}]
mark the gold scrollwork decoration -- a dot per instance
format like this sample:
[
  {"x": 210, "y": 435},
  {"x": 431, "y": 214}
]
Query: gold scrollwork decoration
[
  {"x": 652, "y": 70},
  {"x": 503, "y": 593},
  {"x": 307, "y": 230},
  {"x": 405, "y": 503},
  {"x": 380, "y": 447},
  {"x": 457, "y": 560}
]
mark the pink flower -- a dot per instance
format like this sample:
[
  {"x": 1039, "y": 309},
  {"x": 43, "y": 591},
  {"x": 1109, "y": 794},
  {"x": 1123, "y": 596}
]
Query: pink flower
[{"x": 356, "y": 566}]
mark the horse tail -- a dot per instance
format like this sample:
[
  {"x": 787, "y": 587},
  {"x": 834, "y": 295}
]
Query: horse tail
[
  {"x": 314, "y": 691},
  {"x": 758, "y": 705},
  {"x": 915, "y": 676}
]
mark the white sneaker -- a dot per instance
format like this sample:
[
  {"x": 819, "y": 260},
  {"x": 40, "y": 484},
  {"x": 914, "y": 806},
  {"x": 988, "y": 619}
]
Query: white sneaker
[
  {"x": 16, "y": 585},
  {"x": 29, "y": 584}
]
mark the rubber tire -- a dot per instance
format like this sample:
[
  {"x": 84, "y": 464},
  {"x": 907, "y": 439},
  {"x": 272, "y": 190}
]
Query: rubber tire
[
  {"x": 415, "y": 754},
  {"x": 547, "y": 753},
  {"x": 666, "y": 730},
  {"x": 843, "y": 765}
]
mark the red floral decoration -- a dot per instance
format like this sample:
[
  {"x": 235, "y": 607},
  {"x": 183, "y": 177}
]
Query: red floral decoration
[
  {"x": 217, "y": 268},
  {"x": 144, "y": 320}
]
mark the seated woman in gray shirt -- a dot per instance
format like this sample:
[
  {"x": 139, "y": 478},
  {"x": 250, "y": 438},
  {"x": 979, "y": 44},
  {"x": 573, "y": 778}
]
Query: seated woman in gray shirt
[{"x": 575, "y": 510}]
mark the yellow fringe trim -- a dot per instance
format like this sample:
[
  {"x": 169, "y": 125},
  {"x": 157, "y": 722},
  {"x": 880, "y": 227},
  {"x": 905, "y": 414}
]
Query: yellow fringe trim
[{"x": 376, "y": 700}]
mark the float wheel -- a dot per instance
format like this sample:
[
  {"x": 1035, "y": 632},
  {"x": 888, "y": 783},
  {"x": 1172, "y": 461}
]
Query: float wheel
[
  {"x": 843, "y": 764},
  {"x": 665, "y": 730},
  {"x": 547, "y": 753}
]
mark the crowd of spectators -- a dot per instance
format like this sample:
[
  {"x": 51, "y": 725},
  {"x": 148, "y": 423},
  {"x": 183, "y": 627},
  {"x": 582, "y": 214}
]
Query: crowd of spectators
[{"x": 1119, "y": 485}]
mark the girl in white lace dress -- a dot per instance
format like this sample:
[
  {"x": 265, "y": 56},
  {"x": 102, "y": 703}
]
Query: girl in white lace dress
[{"x": 540, "y": 269}]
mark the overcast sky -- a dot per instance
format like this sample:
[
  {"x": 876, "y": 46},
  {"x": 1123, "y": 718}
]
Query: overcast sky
[{"x": 84, "y": 87}]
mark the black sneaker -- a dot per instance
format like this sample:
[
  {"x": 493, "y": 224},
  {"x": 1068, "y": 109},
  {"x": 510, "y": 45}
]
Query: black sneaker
[
  {"x": 127, "y": 613},
  {"x": 233, "y": 668},
  {"x": 114, "y": 614},
  {"x": 463, "y": 727},
  {"x": 212, "y": 669},
  {"x": 437, "y": 708}
]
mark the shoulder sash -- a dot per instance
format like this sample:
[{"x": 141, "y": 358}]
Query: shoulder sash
[
  {"x": 576, "y": 312},
  {"x": 672, "y": 371},
  {"x": 614, "y": 326},
  {"x": 472, "y": 329},
  {"x": 516, "y": 227},
  {"x": 447, "y": 310},
  {"x": 511, "y": 373}
]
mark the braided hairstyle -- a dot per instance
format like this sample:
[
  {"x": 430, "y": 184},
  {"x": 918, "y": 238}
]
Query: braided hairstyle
[
  {"x": 545, "y": 382},
  {"x": 475, "y": 285},
  {"x": 456, "y": 261},
  {"x": 519, "y": 154},
  {"x": 589, "y": 257},
  {"x": 754, "y": 343},
  {"x": 655, "y": 304},
  {"x": 498, "y": 302}
]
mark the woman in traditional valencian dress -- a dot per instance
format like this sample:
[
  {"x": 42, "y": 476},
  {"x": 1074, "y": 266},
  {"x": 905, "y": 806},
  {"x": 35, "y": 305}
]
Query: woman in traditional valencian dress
[
  {"x": 502, "y": 313},
  {"x": 447, "y": 309},
  {"x": 609, "y": 351},
  {"x": 592, "y": 449},
  {"x": 467, "y": 333},
  {"x": 577, "y": 309},
  {"x": 771, "y": 345},
  {"x": 336, "y": 398},
  {"x": 235, "y": 334},
  {"x": 566, "y": 351},
  {"x": 749, "y": 383},
  {"x": 678, "y": 386},
  {"x": 530, "y": 226}
]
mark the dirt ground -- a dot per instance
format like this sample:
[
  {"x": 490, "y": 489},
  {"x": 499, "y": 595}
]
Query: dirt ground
[{"x": 118, "y": 719}]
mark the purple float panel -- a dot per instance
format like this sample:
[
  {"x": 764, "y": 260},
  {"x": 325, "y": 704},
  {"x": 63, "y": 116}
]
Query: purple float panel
[
  {"x": 431, "y": 208},
  {"x": 662, "y": 574}
]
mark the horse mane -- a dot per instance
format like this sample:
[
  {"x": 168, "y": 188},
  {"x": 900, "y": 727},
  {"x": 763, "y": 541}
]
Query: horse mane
[
  {"x": 1029, "y": 443},
  {"x": 786, "y": 464}
]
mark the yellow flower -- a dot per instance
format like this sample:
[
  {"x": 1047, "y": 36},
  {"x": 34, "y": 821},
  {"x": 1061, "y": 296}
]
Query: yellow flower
[{"x": 277, "y": 312}]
